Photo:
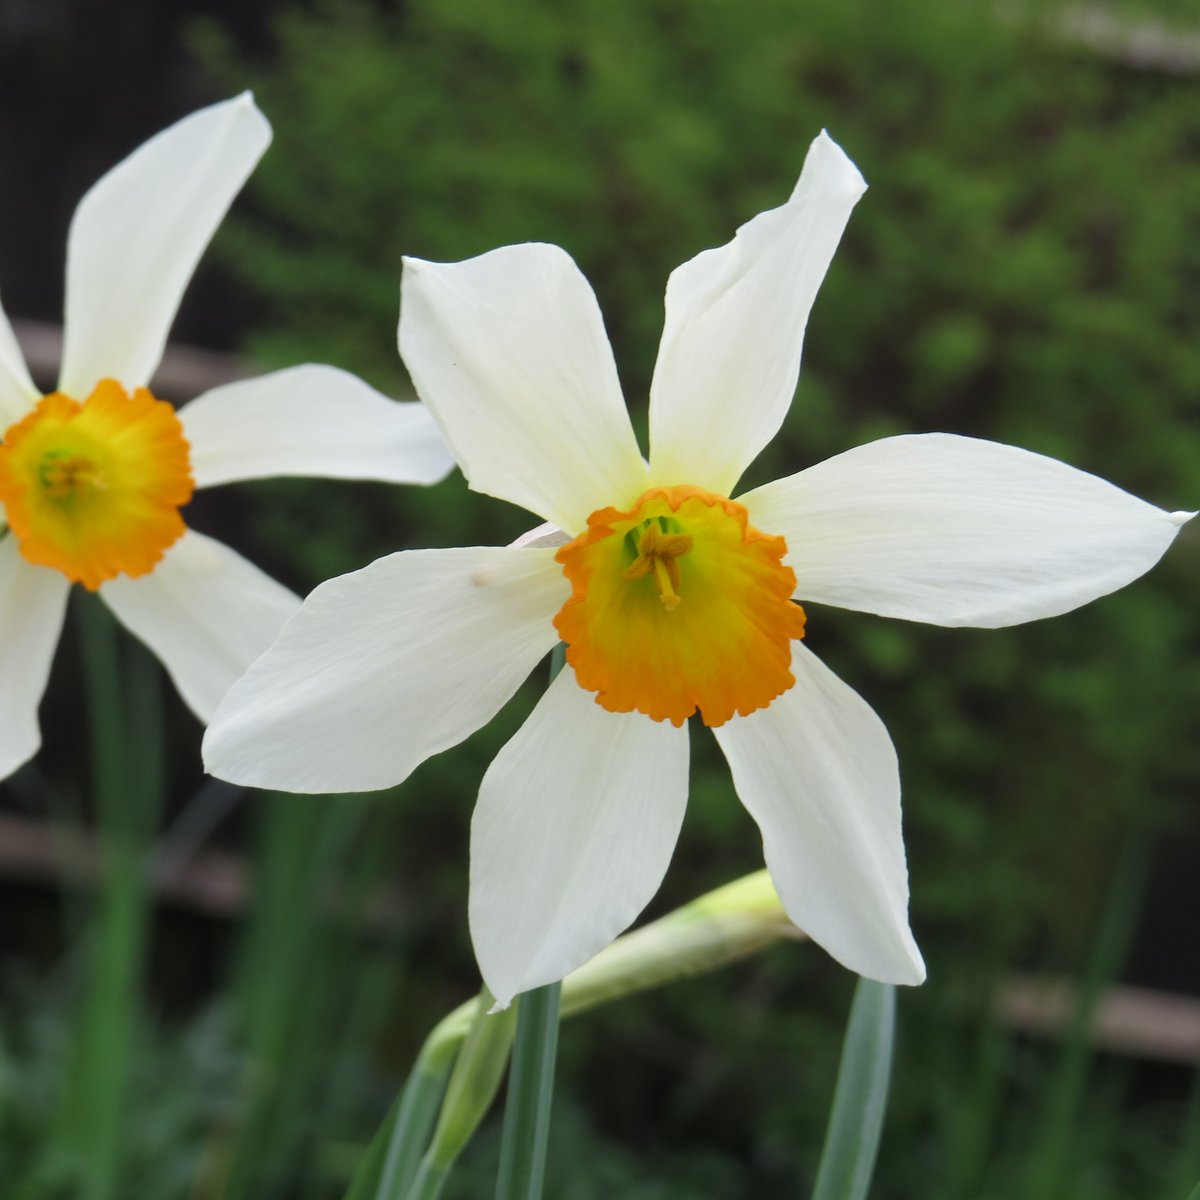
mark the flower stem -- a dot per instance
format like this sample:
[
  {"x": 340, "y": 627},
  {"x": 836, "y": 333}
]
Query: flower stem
[
  {"x": 715, "y": 929},
  {"x": 530, "y": 1090},
  {"x": 531, "y": 1080},
  {"x": 860, "y": 1098},
  {"x": 124, "y": 722}
]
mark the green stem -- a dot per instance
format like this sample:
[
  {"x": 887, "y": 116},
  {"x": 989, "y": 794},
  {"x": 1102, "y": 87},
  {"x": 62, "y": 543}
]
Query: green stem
[
  {"x": 530, "y": 1090},
  {"x": 717, "y": 928},
  {"x": 120, "y": 721},
  {"x": 531, "y": 1080},
  {"x": 429, "y": 1181},
  {"x": 102, "y": 691},
  {"x": 860, "y": 1098}
]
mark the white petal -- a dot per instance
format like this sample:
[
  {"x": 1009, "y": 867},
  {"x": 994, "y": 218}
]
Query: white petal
[
  {"x": 17, "y": 393},
  {"x": 818, "y": 773},
  {"x": 137, "y": 235},
  {"x": 386, "y": 666},
  {"x": 956, "y": 531},
  {"x": 542, "y": 535},
  {"x": 730, "y": 353},
  {"x": 575, "y": 825},
  {"x": 509, "y": 351},
  {"x": 311, "y": 420},
  {"x": 32, "y": 603},
  {"x": 206, "y": 612}
]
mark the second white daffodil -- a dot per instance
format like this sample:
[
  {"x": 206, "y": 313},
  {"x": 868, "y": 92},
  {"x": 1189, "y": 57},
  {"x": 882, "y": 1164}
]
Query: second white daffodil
[
  {"x": 94, "y": 474},
  {"x": 672, "y": 597}
]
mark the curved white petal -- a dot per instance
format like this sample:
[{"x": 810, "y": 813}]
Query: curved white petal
[
  {"x": 17, "y": 393},
  {"x": 509, "y": 352},
  {"x": 311, "y": 420},
  {"x": 730, "y": 353},
  {"x": 385, "y": 666},
  {"x": 206, "y": 612},
  {"x": 817, "y": 771},
  {"x": 957, "y": 531},
  {"x": 576, "y": 822},
  {"x": 137, "y": 235},
  {"x": 32, "y": 603}
]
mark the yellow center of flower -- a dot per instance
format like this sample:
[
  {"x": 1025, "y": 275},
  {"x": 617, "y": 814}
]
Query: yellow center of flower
[
  {"x": 679, "y": 605},
  {"x": 94, "y": 489}
]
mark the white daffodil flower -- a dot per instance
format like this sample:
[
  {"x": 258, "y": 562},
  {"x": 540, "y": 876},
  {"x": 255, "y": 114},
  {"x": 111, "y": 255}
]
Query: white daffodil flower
[
  {"x": 672, "y": 598},
  {"x": 93, "y": 475}
]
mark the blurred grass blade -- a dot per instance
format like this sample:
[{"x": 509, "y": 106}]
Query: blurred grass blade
[
  {"x": 860, "y": 1099},
  {"x": 1057, "y": 1124},
  {"x": 530, "y": 1090},
  {"x": 1187, "y": 1161}
]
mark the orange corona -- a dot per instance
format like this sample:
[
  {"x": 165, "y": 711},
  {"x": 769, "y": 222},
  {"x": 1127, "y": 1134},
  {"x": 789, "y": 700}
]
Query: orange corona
[
  {"x": 94, "y": 489},
  {"x": 679, "y": 605}
]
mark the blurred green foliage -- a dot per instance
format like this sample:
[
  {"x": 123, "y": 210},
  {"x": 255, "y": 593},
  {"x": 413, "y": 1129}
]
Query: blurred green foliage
[{"x": 1023, "y": 268}]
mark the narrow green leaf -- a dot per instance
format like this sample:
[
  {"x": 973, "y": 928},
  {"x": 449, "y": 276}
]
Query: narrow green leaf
[
  {"x": 860, "y": 1099},
  {"x": 418, "y": 1107},
  {"x": 474, "y": 1082},
  {"x": 390, "y": 1163}
]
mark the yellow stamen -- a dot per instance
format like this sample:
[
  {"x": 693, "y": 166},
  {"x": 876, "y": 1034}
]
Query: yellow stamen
[
  {"x": 660, "y": 553},
  {"x": 639, "y": 648},
  {"x": 59, "y": 476},
  {"x": 94, "y": 489}
]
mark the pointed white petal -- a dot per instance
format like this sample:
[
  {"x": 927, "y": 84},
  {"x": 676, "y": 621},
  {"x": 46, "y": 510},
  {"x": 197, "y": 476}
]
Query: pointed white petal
[
  {"x": 817, "y": 771},
  {"x": 386, "y": 666},
  {"x": 956, "y": 531},
  {"x": 32, "y": 603},
  {"x": 17, "y": 393},
  {"x": 206, "y": 612},
  {"x": 311, "y": 420},
  {"x": 730, "y": 353},
  {"x": 509, "y": 352},
  {"x": 137, "y": 235},
  {"x": 575, "y": 825}
]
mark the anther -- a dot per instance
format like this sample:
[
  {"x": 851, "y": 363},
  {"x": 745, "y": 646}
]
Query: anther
[{"x": 660, "y": 553}]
